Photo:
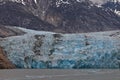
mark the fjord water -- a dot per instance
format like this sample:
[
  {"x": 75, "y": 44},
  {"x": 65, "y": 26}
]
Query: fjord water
[{"x": 47, "y": 74}]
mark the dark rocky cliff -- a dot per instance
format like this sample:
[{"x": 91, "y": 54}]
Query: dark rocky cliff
[{"x": 4, "y": 62}]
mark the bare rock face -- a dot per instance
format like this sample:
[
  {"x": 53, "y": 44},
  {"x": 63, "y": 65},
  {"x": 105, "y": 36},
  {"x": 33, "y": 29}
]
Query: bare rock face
[
  {"x": 6, "y": 31},
  {"x": 4, "y": 62},
  {"x": 67, "y": 16},
  {"x": 16, "y": 14}
]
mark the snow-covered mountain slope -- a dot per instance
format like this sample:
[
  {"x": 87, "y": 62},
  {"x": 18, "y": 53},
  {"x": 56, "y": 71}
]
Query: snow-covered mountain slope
[
  {"x": 113, "y": 5},
  {"x": 67, "y": 16},
  {"x": 39, "y": 49}
]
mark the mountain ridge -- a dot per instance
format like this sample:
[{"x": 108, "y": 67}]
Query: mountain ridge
[{"x": 68, "y": 17}]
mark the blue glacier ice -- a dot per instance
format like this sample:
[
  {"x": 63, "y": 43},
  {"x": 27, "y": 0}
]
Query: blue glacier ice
[{"x": 39, "y": 49}]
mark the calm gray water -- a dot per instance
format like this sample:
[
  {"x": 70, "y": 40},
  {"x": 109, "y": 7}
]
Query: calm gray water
[{"x": 47, "y": 74}]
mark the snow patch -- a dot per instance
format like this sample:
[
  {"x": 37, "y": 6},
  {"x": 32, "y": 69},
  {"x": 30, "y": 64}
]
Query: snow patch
[
  {"x": 117, "y": 12},
  {"x": 19, "y": 1},
  {"x": 35, "y": 1},
  {"x": 59, "y": 2}
]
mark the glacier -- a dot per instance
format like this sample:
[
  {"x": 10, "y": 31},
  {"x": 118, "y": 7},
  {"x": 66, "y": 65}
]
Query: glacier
[{"x": 42, "y": 49}]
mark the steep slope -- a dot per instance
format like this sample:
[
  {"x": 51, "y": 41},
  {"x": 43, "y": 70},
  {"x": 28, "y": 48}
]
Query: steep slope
[
  {"x": 12, "y": 14},
  {"x": 6, "y": 31},
  {"x": 39, "y": 49},
  {"x": 113, "y": 5},
  {"x": 4, "y": 62},
  {"x": 58, "y": 15}
]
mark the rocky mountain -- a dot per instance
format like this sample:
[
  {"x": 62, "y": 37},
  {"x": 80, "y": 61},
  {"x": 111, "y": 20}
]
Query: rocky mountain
[
  {"x": 7, "y": 31},
  {"x": 67, "y": 16},
  {"x": 4, "y": 62},
  {"x": 39, "y": 49},
  {"x": 12, "y": 14},
  {"x": 113, "y": 5}
]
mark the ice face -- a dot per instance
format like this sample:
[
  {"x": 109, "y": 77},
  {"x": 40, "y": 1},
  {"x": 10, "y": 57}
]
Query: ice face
[{"x": 38, "y": 49}]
